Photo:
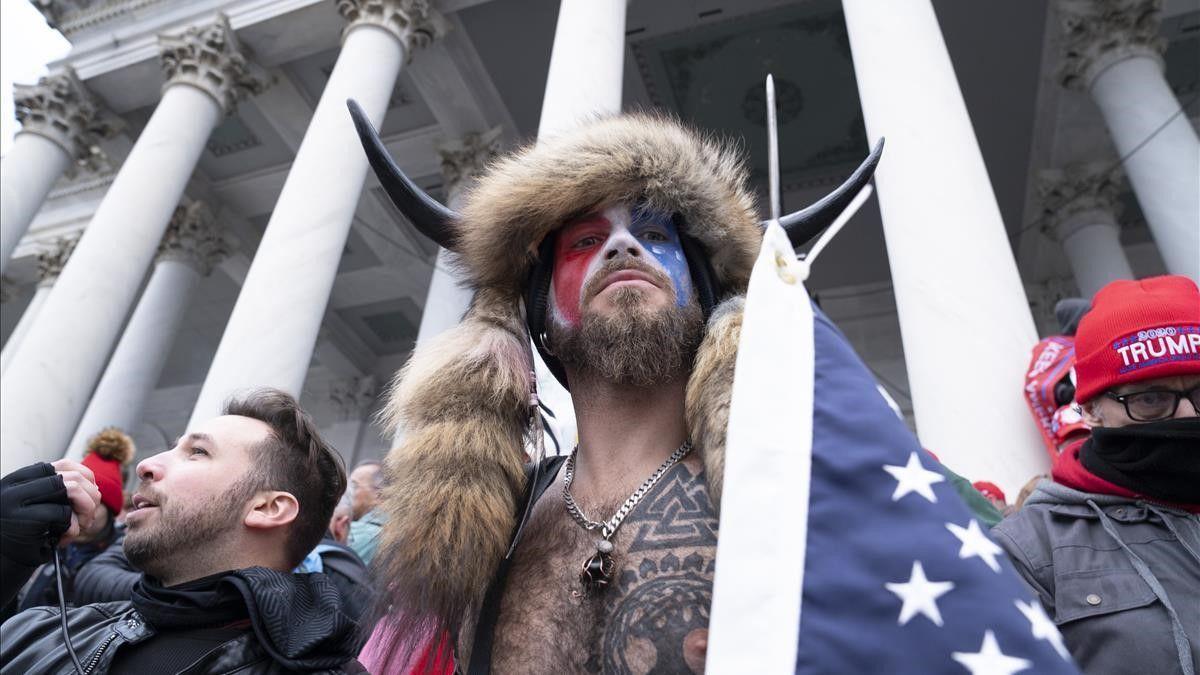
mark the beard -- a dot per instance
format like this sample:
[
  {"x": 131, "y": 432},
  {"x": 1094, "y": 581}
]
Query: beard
[
  {"x": 192, "y": 532},
  {"x": 636, "y": 346}
]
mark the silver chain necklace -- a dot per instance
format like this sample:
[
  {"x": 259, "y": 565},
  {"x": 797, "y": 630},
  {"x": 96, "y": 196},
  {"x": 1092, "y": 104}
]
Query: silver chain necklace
[{"x": 598, "y": 569}]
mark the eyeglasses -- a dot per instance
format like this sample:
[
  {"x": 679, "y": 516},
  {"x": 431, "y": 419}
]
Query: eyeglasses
[{"x": 1155, "y": 404}]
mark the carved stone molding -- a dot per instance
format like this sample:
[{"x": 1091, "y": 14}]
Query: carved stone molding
[
  {"x": 60, "y": 108},
  {"x": 414, "y": 22},
  {"x": 464, "y": 159},
  {"x": 210, "y": 58},
  {"x": 353, "y": 396},
  {"x": 1044, "y": 295},
  {"x": 1099, "y": 33},
  {"x": 194, "y": 238},
  {"x": 1080, "y": 195},
  {"x": 52, "y": 259}
]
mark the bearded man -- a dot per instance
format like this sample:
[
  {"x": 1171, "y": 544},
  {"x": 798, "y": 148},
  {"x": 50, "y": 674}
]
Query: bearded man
[
  {"x": 218, "y": 523},
  {"x": 622, "y": 248}
]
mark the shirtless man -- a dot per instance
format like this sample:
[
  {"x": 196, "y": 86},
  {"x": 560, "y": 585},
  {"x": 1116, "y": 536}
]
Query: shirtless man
[{"x": 621, "y": 248}]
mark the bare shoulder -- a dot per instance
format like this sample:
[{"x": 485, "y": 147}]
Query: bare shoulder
[{"x": 652, "y": 618}]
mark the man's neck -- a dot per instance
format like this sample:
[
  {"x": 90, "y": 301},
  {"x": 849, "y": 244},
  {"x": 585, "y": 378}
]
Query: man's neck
[{"x": 625, "y": 433}]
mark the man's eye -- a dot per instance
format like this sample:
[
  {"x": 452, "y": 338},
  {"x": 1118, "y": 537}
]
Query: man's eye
[
  {"x": 585, "y": 242},
  {"x": 198, "y": 451},
  {"x": 655, "y": 236}
]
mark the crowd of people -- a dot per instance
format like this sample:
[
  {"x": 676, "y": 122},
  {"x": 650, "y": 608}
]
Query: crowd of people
[{"x": 246, "y": 547}]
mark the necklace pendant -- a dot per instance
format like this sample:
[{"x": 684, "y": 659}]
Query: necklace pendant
[{"x": 597, "y": 570}]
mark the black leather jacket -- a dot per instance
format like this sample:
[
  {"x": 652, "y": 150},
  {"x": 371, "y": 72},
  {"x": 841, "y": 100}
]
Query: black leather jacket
[
  {"x": 32, "y": 643},
  {"x": 289, "y": 635}
]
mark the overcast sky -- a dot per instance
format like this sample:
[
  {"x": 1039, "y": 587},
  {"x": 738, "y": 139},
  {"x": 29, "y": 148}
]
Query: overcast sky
[{"x": 27, "y": 44}]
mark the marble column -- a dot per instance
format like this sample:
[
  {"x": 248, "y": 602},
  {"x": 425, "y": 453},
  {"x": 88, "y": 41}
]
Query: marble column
[
  {"x": 352, "y": 398},
  {"x": 50, "y": 264},
  {"x": 1081, "y": 209},
  {"x": 1111, "y": 49},
  {"x": 447, "y": 300},
  {"x": 586, "y": 64},
  {"x": 963, "y": 313},
  {"x": 61, "y": 125},
  {"x": 49, "y": 381},
  {"x": 191, "y": 247},
  {"x": 271, "y": 334}
]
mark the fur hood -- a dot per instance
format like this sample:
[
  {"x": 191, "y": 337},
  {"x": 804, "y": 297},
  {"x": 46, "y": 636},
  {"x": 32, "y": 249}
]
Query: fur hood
[
  {"x": 463, "y": 399},
  {"x": 534, "y": 191}
]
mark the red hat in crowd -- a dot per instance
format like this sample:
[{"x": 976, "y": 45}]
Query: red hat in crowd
[
  {"x": 107, "y": 452},
  {"x": 1138, "y": 330},
  {"x": 989, "y": 490}
]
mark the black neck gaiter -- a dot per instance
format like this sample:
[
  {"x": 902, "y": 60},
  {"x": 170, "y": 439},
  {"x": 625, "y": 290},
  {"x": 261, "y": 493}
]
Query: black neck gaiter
[
  {"x": 206, "y": 602},
  {"x": 1160, "y": 460}
]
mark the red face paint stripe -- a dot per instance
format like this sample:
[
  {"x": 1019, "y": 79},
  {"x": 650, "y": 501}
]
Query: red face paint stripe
[{"x": 571, "y": 262}]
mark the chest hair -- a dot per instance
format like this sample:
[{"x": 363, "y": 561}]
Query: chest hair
[{"x": 654, "y": 613}]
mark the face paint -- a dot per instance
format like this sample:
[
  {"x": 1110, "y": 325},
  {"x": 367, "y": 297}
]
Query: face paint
[
  {"x": 577, "y": 254},
  {"x": 658, "y": 235}
]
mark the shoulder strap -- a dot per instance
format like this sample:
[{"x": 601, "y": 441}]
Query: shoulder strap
[{"x": 489, "y": 613}]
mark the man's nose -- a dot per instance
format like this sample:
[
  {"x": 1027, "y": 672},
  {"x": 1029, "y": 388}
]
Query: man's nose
[
  {"x": 622, "y": 243},
  {"x": 152, "y": 468}
]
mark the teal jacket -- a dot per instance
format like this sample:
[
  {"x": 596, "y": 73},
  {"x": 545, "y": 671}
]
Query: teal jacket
[{"x": 364, "y": 534}]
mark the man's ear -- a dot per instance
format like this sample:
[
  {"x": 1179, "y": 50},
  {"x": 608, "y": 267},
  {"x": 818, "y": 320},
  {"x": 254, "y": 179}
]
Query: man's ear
[
  {"x": 1090, "y": 414},
  {"x": 272, "y": 509}
]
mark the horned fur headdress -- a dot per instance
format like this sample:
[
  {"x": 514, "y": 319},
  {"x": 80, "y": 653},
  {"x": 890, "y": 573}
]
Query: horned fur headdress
[{"x": 464, "y": 398}]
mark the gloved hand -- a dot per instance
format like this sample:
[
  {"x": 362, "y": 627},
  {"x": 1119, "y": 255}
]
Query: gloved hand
[{"x": 35, "y": 512}]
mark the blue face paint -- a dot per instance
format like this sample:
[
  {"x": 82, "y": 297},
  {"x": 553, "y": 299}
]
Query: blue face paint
[{"x": 657, "y": 234}]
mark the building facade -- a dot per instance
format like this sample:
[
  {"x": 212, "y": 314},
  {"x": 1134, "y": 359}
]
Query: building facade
[{"x": 187, "y": 213}]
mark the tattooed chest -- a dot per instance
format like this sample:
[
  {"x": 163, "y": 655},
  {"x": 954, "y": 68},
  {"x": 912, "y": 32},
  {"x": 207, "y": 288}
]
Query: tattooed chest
[{"x": 652, "y": 618}]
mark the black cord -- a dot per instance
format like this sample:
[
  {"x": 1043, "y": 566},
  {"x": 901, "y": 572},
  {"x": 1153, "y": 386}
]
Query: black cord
[{"x": 62, "y": 614}]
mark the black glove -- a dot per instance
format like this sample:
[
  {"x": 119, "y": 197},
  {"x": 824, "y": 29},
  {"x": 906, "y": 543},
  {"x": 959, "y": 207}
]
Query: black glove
[{"x": 34, "y": 513}]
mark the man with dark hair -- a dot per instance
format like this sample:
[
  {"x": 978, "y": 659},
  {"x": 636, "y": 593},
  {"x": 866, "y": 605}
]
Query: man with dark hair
[
  {"x": 218, "y": 523},
  {"x": 1111, "y": 545}
]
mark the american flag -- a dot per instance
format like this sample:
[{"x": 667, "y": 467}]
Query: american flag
[
  {"x": 899, "y": 577},
  {"x": 836, "y": 525}
]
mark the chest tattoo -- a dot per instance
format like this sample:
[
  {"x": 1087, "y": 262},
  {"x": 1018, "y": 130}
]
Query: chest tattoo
[{"x": 653, "y": 618}]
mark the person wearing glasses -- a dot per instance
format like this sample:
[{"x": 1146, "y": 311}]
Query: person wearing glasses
[{"x": 1111, "y": 545}]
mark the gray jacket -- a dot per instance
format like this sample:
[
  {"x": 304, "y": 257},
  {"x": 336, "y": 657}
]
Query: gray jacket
[{"x": 1119, "y": 576}]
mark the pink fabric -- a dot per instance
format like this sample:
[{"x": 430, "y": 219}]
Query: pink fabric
[{"x": 378, "y": 659}]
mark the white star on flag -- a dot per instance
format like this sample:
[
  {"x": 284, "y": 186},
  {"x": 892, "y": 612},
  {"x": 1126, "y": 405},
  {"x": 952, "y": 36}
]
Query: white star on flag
[
  {"x": 989, "y": 660},
  {"x": 1043, "y": 627},
  {"x": 920, "y": 595},
  {"x": 913, "y": 477},
  {"x": 976, "y": 544}
]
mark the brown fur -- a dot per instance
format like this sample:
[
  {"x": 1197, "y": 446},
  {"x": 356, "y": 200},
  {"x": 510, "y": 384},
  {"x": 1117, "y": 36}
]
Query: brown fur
[
  {"x": 463, "y": 399},
  {"x": 709, "y": 389},
  {"x": 536, "y": 190},
  {"x": 112, "y": 443},
  {"x": 456, "y": 478}
]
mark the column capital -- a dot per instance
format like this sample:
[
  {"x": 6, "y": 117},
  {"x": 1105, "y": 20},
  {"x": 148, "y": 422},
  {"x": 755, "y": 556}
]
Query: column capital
[
  {"x": 415, "y": 23},
  {"x": 1079, "y": 195},
  {"x": 210, "y": 58},
  {"x": 1099, "y": 33},
  {"x": 52, "y": 259},
  {"x": 194, "y": 238},
  {"x": 60, "y": 108},
  {"x": 464, "y": 159},
  {"x": 353, "y": 397}
]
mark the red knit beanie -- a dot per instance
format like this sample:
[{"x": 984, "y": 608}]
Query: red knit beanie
[
  {"x": 1138, "y": 330},
  {"x": 108, "y": 451},
  {"x": 989, "y": 490}
]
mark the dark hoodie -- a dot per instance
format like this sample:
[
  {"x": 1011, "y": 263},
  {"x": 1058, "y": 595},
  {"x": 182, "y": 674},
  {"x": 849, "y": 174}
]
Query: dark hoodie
[{"x": 254, "y": 620}]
